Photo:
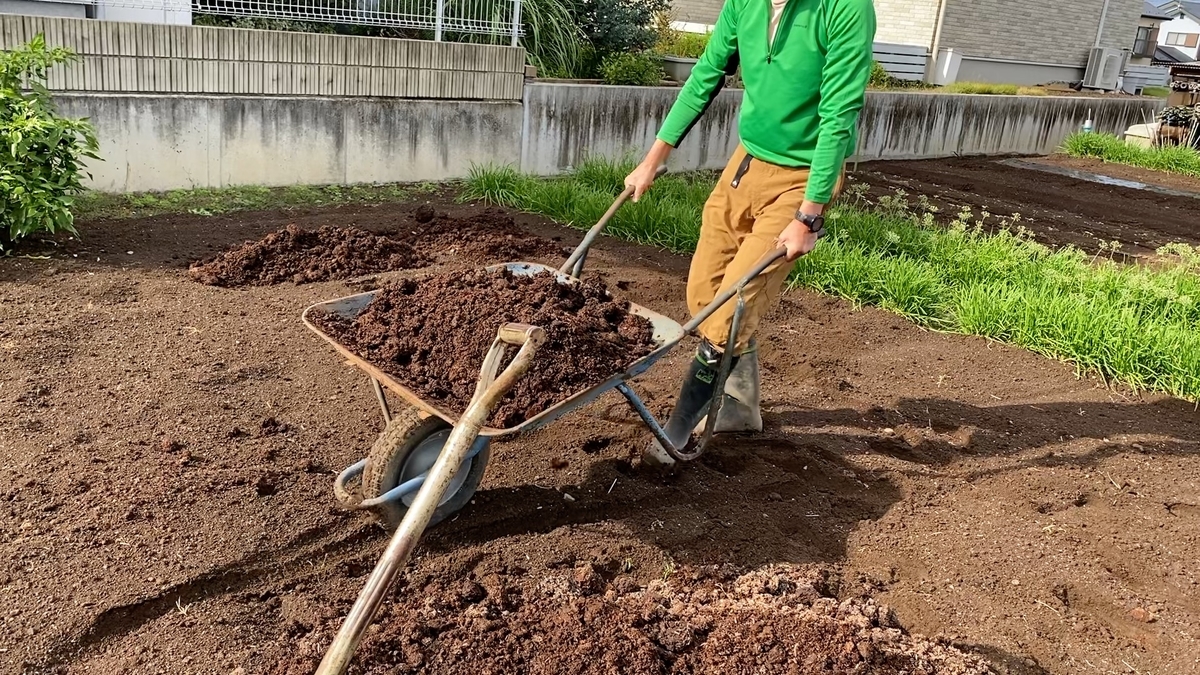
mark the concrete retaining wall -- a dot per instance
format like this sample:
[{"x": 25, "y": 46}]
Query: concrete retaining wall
[
  {"x": 162, "y": 142},
  {"x": 170, "y": 142},
  {"x": 566, "y": 123}
]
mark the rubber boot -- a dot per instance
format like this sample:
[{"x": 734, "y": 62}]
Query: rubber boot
[
  {"x": 694, "y": 398},
  {"x": 740, "y": 411}
]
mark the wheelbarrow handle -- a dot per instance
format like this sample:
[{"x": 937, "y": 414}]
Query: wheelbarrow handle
[
  {"x": 574, "y": 264},
  {"x": 520, "y": 333},
  {"x": 488, "y": 392}
]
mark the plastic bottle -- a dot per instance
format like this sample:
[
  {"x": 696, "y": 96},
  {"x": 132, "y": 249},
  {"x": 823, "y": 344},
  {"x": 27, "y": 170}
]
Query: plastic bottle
[{"x": 1087, "y": 125}]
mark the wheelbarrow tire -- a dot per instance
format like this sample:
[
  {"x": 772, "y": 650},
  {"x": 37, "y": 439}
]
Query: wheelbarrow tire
[{"x": 395, "y": 448}]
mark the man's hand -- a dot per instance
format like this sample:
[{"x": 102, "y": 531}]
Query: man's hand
[
  {"x": 641, "y": 179},
  {"x": 796, "y": 238},
  {"x": 643, "y": 176}
]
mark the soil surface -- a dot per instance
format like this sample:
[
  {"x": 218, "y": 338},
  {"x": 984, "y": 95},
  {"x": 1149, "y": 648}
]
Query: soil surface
[
  {"x": 167, "y": 451},
  {"x": 1058, "y": 209},
  {"x": 334, "y": 253},
  {"x": 1124, "y": 172},
  {"x": 292, "y": 254},
  {"x": 432, "y": 335}
]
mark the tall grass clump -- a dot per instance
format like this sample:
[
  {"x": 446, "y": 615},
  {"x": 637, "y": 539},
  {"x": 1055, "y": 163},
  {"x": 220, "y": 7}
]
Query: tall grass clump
[
  {"x": 978, "y": 275},
  {"x": 1180, "y": 159}
]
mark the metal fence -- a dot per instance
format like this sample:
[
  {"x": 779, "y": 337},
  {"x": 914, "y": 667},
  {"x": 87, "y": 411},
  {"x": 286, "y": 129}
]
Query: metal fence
[{"x": 479, "y": 17}]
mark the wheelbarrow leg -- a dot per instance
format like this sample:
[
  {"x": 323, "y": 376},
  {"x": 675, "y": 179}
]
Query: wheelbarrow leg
[
  {"x": 488, "y": 392},
  {"x": 383, "y": 404}
]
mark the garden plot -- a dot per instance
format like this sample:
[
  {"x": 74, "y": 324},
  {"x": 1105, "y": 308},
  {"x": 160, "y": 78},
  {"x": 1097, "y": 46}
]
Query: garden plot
[
  {"x": 1059, "y": 209},
  {"x": 167, "y": 450}
]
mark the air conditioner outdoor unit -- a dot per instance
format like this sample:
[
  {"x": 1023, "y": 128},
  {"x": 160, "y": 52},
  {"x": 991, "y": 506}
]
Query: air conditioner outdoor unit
[{"x": 1104, "y": 68}]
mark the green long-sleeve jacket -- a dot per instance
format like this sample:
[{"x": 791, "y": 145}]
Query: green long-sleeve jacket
[{"x": 804, "y": 89}]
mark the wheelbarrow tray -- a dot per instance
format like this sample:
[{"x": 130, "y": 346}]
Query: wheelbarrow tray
[{"x": 667, "y": 333}]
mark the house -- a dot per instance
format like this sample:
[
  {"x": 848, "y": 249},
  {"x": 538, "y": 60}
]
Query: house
[
  {"x": 1145, "y": 43},
  {"x": 133, "y": 11},
  {"x": 1143, "y": 70},
  {"x": 1182, "y": 32},
  {"x": 1010, "y": 41}
]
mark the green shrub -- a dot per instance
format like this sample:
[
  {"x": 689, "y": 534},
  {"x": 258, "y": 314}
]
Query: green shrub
[
  {"x": 640, "y": 69},
  {"x": 41, "y": 152},
  {"x": 880, "y": 78},
  {"x": 681, "y": 44},
  {"x": 614, "y": 27}
]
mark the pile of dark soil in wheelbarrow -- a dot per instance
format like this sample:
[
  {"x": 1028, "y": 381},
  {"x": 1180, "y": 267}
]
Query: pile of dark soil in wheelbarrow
[
  {"x": 780, "y": 619},
  {"x": 332, "y": 252},
  {"x": 432, "y": 336}
]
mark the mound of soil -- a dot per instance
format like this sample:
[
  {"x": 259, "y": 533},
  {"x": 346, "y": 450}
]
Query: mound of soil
[
  {"x": 776, "y": 619},
  {"x": 333, "y": 252},
  {"x": 490, "y": 236},
  {"x": 295, "y": 255},
  {"x": 433, "y": 334}
]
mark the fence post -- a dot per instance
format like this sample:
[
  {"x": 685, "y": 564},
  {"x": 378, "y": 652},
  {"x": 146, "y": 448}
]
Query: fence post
[
  {"x": 516, "y": 23},
  {"x": 439, "y": 20}
]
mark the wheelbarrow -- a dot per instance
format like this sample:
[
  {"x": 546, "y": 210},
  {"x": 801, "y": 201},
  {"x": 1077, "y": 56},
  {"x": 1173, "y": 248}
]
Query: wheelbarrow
[{"x": 427, "y": 464}]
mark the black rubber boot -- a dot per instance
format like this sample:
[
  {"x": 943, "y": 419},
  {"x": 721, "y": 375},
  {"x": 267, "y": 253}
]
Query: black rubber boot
[{"x": 695, "y": 396}]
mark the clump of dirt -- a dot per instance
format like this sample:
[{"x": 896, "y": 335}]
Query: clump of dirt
[
  {"x": 300, "y": 256},
  {"x": 776, "y": 619},
  {"x": 433, "y": 334}
]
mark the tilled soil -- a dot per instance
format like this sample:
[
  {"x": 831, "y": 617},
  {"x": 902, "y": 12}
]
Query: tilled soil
[
  {"x": 776, "y": 619},
  {"x": 334, "y": 253},
  {"x": 432, "y": 335},
  {"x": 294, "y": 255},
  {"x": 1058, "y": 209},
  {"x": 167, "y": 451}
]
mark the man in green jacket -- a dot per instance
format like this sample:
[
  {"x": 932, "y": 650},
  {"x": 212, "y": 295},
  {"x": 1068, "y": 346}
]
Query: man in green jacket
[{"x": 805, "y": 65}]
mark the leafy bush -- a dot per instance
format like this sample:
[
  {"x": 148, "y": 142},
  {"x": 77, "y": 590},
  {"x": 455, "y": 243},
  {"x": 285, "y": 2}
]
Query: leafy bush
[
  {"x": 681, "y": 44},
  {"x": 615, "y": 27},
  {"x": 880, "y": 78},
  {"x": 41, "y": 152},
  {"x": 640, "y": 69}
]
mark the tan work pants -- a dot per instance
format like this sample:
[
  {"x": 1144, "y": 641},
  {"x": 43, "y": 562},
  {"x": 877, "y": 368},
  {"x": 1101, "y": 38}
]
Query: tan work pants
[{"x": 739, "y": 226}]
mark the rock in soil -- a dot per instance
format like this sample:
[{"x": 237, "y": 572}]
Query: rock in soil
[
  {"x": 433, "y": 334},
  {"x": 295, "y": 255}
]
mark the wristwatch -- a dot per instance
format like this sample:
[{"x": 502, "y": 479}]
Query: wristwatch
[{"x": 815, "y": 224}]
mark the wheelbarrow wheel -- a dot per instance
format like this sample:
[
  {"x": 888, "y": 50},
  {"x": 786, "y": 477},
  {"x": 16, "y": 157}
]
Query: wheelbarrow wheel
[{"x": 407, "y": 448}]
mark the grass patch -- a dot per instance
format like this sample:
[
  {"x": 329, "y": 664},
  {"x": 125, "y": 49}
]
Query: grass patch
[
  {"x": 1135, "y": 324},
  {"x": 1156, "y": 92},
  {"x": 206, "y": 202},
  {"x": 1179, "y": 159},
  {"x": 992, "y": 89}
]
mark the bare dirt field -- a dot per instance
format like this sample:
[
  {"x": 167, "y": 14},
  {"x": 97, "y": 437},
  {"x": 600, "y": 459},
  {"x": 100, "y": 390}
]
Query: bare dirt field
[
  {"x": 167, "y": 450},
  {"x": 1059, "y": 209}
]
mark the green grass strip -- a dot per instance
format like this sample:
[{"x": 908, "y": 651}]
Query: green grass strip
[
  {"x": 1179, "y": 159},
  {"x": 1135, "y": 324},
  {"x": 209, "y": 202}
]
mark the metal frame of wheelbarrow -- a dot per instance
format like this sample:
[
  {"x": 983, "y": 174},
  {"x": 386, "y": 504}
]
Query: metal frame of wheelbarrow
[{"x": 469, "y": 430}]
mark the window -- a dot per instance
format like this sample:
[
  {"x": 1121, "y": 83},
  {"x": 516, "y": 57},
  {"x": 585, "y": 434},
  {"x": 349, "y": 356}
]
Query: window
[
  {"x": 1183, "y": 39},
  {"x": 1146, "y": 42}
]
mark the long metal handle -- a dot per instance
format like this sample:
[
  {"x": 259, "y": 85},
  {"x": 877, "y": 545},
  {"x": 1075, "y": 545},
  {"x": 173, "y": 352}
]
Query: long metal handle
[
  {"x": 724, "y": 296},
  {"x": 574, "y": 263},
  {"x": 488, "y": 392}
]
